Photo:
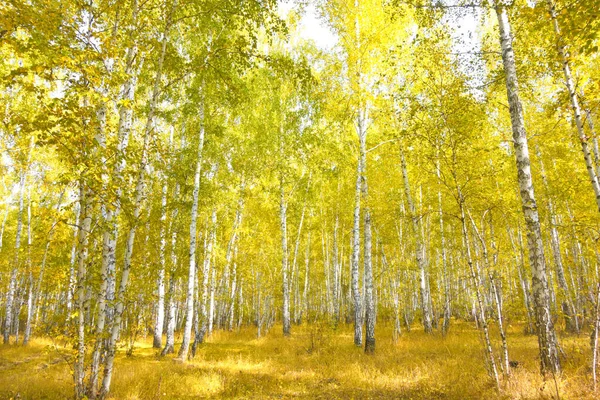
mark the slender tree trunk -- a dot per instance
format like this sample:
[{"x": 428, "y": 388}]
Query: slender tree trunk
[
  {"x": 72, "y": 271},
  {"x": 548, "y": 346},
  {"x": 336, "y": 303},
  {"x": 85, "y": 205},
  {"x": 12, "y": 283},
  {"x": 477, "y": 284},
  {"x": 187, "y": 331},
  {"x": 160, "y": 282},
  {"x": 232, "y": 255},
  {"x": 284, "y": 258},
  {"x": 306, "y": 279},
  {"x": 171, "y": 303},
  {"x": 211, "y": 308},
  {"x": 106, "y": 296},
  {"x": 595, "y": 338},
  {"x": 443, "y": 256},
  {"x": 419, "y": 249},
  {"x": 370, "y": 312},
  {"x": 138, "y": 200},
  {"x": 36, "y": 287},
  {"x": 562, "y": 50},
  {"x": 354, "y": 272},
  {"x": 204, "y": 316},
  {"x": 120, "y": 298},
  {"x": 565, "y": 294}
]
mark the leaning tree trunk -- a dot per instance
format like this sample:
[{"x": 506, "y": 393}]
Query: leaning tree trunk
[
  {"x": 564, "y": 55},
  {"x": 477, "y": 284},
  {"x": 548, "y": 346}
]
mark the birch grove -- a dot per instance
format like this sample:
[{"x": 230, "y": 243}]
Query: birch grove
[{"x": 174, "y": 174}]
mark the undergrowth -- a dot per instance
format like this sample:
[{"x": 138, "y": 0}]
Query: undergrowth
[{"x": 315, "y": 362}]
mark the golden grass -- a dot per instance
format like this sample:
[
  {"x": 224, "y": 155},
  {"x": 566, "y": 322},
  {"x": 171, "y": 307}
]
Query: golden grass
[{"x": 315, "y": 363}]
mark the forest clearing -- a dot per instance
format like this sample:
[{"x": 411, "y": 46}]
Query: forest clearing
[
  {"x": 315, "y": 363},
  {"x": 312, "y": 199}
]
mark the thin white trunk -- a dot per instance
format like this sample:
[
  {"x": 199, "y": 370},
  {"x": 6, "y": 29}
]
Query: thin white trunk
[
  {"x": 355, "y": 258},
  {"x": 138, "y": 200},
  {"x": 36, "y": 287},
  {"x": 85, "y": 204},
  {"x": 419, "y": 249},
  {"x": 284, "y": 259},
  {"x": 12, "y": 283},
  {"x": 160, "y": 282},
  {"x": 189, "y": 307},
  {"x": 564, "y": 54}
]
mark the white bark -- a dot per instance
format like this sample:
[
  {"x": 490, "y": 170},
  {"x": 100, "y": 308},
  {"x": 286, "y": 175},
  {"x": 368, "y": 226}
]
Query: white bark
[
  {"x": 284, "y": 259},
  {"x": 354, "y": 268},
  {"x": 419, "y": 249},
  {"x": 12, "y": 283},
  {"x": 160, "y": 281},
  {"x": 36, "y": 287},
  {"x": 80, "y": 297},
  {"x": 138, "y": 200},
  {"x": 548, "y": 346},
  {"x": 189, "y": 307},
  {"x": 562, "y": 50}
]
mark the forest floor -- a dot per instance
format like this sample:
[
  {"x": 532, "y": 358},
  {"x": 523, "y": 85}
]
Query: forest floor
[{"x": 314, "y": 363}]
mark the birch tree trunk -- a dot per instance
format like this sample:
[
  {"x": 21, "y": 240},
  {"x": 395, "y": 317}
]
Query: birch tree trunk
[
  {"x": 368, "y": 259},
  {"x": 443, "y": 256},
  {"x": 419, "y": 249},
  {"x": 354, "y": 271},
  {"x": 85, "y": 207},
  {"x": 189, "y": 307},
  {"x": 284, "y": 258},
  {"x": 562, "y": 50},
  {"x": 138, "y": 200},
  {"x": 548, "y": 346},
  {"x": 160, "y": 283},
  {"x": 370, "y": 315},
  {"x": 35, "y": 289},
  {"x": 171, "y": 304},
  {"x": 232, "y": 255},
  {"x": 336, "y": 303},
  {"x": 565, "y": 294},
  {"x": 203, "y": 316},
  {"x": 477, "y": 284},
  {"x": 106, "y": 296},
  {"x": 306, "y": 279},
  {"x": 12, "y": 283},
  {"x": 72, "y": 271},
  {"x": 110, "y": 212},
  {"x": 595, "y": 338}
]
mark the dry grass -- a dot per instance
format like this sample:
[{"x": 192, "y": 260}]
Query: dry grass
[{"x": 312, "y": 364}]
